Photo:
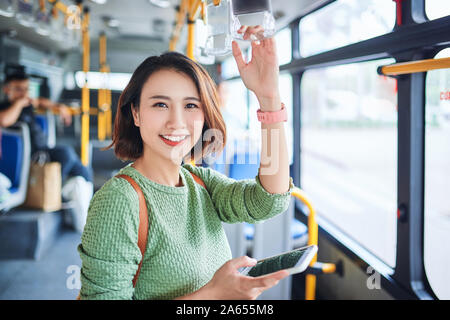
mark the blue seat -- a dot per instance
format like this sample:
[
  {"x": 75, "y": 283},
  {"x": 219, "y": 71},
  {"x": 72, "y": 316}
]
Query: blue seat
[
  {"x": 244, "y": 166},
  {"x": 12, "y": 157},
  {"x": 15, "y": 163},
  {"x": 298, "y": 230},
  {"x": 42, "y": 121},
  {"x": 47, "y": 123},
  {"x": 220, "y": 164}
]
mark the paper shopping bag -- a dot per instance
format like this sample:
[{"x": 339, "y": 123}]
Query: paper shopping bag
[{"x": 44, "y": 186}]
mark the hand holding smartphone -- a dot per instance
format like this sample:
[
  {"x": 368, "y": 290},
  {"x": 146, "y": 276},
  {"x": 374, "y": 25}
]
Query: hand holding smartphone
[{"x": 294, "y": 261}]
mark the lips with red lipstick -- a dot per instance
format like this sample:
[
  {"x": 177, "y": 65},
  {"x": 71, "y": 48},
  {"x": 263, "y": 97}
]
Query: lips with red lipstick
[{"x": 173, "y": 140}]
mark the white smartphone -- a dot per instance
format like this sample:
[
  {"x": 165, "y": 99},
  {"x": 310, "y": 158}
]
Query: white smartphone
[{"x": 294, "y": 261}]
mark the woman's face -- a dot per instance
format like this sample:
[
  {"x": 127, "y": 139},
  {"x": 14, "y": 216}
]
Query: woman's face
[{"x": 170, "y": 116}]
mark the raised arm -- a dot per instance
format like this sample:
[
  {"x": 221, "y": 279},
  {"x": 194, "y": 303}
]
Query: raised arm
[{"x": 260, "y": 75}]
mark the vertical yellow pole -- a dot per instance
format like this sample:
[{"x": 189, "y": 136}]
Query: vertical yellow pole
[
  {"x": 85, "y": 91},
  {"x": 181, "y": 16},
  {"x": 192, "y": 12},
  {"x": 191, "y": 39},
  {"x": 108, "y": 112},
  {"x": 101, "y": 116},
  {"x": 193, "y": 6},
  {"x": 313, "y": 239}
]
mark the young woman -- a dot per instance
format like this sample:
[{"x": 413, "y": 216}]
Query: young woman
[{"x": 165, "y": 110}]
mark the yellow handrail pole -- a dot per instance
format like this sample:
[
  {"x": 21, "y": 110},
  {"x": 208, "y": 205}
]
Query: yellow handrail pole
[
  {"x": 59, "y": 5},
  {"x": 190, "y": 41},
  {"x": 108, "y": 113},
  {"x": 313, "y": 238},
  {"x": 181, "y": 16},
  {"x": 42, "y": 6},
  {"x": 101, "y": 130},
  {"x": 194, "y": 5},
  {"x": 203, "y": 11},
  {"x": 85, "y": 106},
  {"x": 414, "y": 66}
]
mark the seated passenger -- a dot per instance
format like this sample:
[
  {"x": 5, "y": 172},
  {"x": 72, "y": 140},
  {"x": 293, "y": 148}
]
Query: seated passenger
[
  {"x": 163, "y": 113},
  {"x": 18, "y": 106}
]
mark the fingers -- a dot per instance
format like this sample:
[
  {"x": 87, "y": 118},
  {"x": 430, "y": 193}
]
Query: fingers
[
  {"x": 237, "y": 53},
  {"x": 252, "y": 33},
  {"x": 256, "y": 35},
  {"x": 241, "y": 262},
  {"x": 269, "y": 280}
]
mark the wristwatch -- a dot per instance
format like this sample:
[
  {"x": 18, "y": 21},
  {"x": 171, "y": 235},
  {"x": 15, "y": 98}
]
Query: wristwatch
[{"x": 272, "y": 116}]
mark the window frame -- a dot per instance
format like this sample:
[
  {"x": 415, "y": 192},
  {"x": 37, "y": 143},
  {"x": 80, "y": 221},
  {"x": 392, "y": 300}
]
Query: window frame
[
  {"x": 408, "y": 279},
  {"x": 420, "y": 40}
]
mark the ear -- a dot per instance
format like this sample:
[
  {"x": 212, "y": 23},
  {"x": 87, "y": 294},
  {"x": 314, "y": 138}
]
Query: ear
[{"x": 135, "y": 115}]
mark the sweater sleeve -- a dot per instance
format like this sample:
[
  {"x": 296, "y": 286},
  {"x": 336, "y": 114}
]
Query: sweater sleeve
[
  {"x": 108, "y": 250},
  {"x": 241, "y": 200}
]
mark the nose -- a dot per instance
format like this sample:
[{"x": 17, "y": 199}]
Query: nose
[{"x": 176, "y": 119}]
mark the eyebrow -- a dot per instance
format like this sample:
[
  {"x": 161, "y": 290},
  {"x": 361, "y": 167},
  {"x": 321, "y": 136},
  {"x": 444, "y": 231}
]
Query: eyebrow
[{"x": 168, "y": 98}]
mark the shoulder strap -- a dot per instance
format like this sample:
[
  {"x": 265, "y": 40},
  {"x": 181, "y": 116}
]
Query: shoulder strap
[
  {"x": 198, "y": 180},
  {"x": 143, "y": 221}
]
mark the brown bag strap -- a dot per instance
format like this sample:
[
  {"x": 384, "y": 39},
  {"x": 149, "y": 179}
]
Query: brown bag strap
[
  {"x": 143, "y": 222},
  {"x": 198, "y": 180}
]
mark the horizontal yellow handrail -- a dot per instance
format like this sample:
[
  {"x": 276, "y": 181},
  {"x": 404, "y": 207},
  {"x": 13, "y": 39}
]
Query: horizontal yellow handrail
[{"x": 414, "y": 66}]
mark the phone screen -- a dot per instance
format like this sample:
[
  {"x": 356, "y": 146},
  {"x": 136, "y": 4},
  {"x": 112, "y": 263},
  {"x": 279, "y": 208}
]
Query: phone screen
[
  {"x": 283, "y": 261},
  {"x": 250, "y": 6}
]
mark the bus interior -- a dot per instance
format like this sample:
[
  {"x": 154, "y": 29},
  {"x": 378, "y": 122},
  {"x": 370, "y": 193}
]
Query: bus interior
[{"x": 366, "y": 85}]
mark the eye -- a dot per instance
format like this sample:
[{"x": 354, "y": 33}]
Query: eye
[
  {"x": 160, "y": 105},
  {"x": 191, "y": 106}
]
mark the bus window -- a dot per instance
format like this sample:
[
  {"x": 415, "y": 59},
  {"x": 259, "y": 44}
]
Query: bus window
[
  {"x": 284, "y": 46},
  {"x": 99, "y": 80},
  {"x": 236, "y": 111},
  {"x": 344, "y": 22},
  {"x": 285, "y": 84},
  {"x": 436, "y": 9},
  {"x": 349, "y": 152},
  {"x": 437, "y": 184},
  {"x": 229, "y": 68}
]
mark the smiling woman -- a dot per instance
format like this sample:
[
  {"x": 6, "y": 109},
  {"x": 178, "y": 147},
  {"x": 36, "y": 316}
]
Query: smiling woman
[
  {"x": 163, "y": 114},
  {"x": 171, "y": 119},
  {"x": 150, "y": 94}
]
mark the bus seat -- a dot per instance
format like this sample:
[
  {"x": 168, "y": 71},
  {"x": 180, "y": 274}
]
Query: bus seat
[
  {"x": 48, "y": 125},
  {"x": 220, "y": 167},
  {"x": 244, "y": 166},
  {"x": 299, "y": 233},
  {"x": 15, "y": 163},
  {"x": 220, "y": 164}
]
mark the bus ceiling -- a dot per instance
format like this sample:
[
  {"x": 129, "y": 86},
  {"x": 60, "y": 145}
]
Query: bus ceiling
[{"x": 143, "y": 25}]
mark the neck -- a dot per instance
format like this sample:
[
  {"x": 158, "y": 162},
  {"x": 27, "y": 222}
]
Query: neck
[{"x": 159, "y": 170}]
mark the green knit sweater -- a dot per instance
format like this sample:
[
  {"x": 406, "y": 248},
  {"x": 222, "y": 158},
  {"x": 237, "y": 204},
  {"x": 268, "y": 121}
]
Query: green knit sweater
[{"x": 186, "y": 240}]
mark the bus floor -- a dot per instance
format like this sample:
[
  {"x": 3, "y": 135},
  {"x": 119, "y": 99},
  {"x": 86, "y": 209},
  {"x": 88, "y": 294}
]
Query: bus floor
[{"x": 55, "y": 276}]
